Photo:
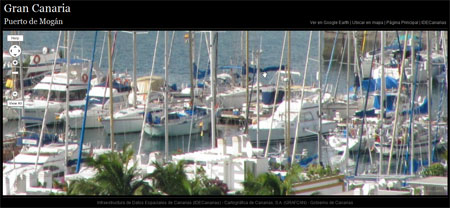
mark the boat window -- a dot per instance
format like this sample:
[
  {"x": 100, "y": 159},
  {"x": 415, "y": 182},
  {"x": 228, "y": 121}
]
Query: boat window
[
  {"x": 51, "y": 168},
  {"x": 77, "y": 94},
  {"x": 97, "y": 100},
  {"x": 307, "y": 116},
  {"x": 40, "y": 94}
]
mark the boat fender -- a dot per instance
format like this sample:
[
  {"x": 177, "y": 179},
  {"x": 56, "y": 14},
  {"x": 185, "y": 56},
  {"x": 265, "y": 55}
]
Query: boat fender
[
  {"x": 85, "y": 78},
  {"x": 36, "y": 59}
]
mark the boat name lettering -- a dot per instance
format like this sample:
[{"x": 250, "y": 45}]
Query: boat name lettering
[{"x": 36, "y": 8}]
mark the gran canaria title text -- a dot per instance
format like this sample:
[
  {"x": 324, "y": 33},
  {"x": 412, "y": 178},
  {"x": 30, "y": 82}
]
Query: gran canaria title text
[{"x": 36, "y": 8}]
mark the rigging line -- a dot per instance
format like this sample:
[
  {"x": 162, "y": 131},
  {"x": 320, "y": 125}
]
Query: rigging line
[
  {"x": 301, "y": 101},
  {"x": 402, "y": 67},
  {"x": 276, "y": 95},
  {"x": 365, "y": 105},
  {"x": 107, "y": 76},
  {"x": 47, "y": 103},
  {"x": 439, "y": 113},
  {"x": 83, "y": 128},
  {"x": 411, "y": 117},
  {"x": 340, "y": 67},
  {"x": 330, "y": 63},
  {"x": 192, "y": 88},
  {"x": 71, "y": 44},
  {"x": 101, "y": 54},
  {"x": 149, "y": 90}
]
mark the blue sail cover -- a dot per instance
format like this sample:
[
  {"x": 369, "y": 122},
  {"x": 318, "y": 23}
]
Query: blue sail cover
[
  {"x": 200, "y": 73},
  {"x": 273, "y": 68},
  {"x": 48, "y": 138},
  {"x": 422, "y": 109},
  {"x": 269, "y": 96},
  {"x": 367, "y": 113},
  {"x": 119, "y": 87},
  {"x": 389, "y": 102},
  {"x": 375, "y": 84}
]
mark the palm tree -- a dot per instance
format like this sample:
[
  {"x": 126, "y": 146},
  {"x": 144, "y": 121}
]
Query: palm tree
[
  {"x": 171, "y": 179},
  {"x": 271, "y": 184},
  {"x": 114, "y": 176}
]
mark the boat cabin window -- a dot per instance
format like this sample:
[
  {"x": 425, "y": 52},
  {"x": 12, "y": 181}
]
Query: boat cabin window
[
  {"x": 77, "y": 94},
  {"x": 51, "y": 168},
  {"x": 58, "y": 95},
  {"x": 97, "y": 100},
  {"x": 307, "y": 116}
]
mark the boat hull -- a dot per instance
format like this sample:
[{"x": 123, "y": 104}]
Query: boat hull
[
  {"x": 278, "y": 133},
  {"x": 124, "y": 125},
  {"x": 178, "y": 129}
]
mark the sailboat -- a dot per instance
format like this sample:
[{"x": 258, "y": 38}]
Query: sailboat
[
  {"x": 98, "y": 106},
  {"x": 309, "y": 120},
  {"x": 179, "y": 122}
]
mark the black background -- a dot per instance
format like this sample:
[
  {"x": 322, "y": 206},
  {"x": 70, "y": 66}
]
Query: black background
[{"x": 232, "y": 14}]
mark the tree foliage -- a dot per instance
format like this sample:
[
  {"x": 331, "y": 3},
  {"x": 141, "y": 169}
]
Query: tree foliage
[{"x": 115, "y": 176}]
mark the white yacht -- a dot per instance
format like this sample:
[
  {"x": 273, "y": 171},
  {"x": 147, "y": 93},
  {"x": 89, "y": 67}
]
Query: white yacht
[
  {"x": 99, "y": 104},
  {"x": 36, "y": 103},
  {"x": 20, "y": 177}
]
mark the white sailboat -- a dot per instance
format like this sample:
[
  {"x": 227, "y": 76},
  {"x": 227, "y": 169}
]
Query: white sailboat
[
  {"x": 309, "y": 120},
  {"x": 180, "y": 122}
]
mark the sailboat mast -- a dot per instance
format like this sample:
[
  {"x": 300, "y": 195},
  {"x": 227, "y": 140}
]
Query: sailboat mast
[
  {"x": 191, "y": 67},
  {"x": 413, "y": 88},
  {"x": 299, "y": 112},
  {"x": 83, "y": 125},
  {"x": 348, "y": 103},
  {"x": 213, "y": 59},
  {"x": 44, "y": 120},
  {"x": 257, "y": 97},
  {"x": 166, "y": 94},
  {"x": 397, "y": 106},
  {"x": 111, "y": 113},
  {"x": 21, "y": 124},
  {"x": 430, "y": 85},
  {"x": 276, "y": 95},
  {"x": 66, "y": 133},
  {"x": 149, "y": 91},
  {"x": 319, "y": 134},
  {"x": 134, "y": 69},
  {"x": 287, "y": 142},
  {"x": 382, "y": 96},
  {"x": 247, "y": 106}
]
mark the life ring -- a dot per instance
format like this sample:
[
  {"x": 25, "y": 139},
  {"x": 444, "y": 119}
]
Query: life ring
[
  {"x": 36, "y": 59},
  {"x": 119, "y": 80},
  {"x": 85, "y": 78}
]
